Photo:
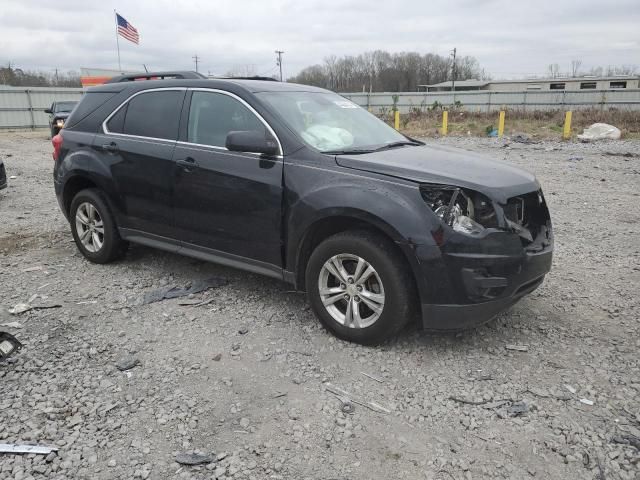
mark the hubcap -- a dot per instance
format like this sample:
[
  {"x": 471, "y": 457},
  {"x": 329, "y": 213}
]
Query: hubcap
[
  {"x": 351, "y": 291},
  {"x": 89, "y": 227}
]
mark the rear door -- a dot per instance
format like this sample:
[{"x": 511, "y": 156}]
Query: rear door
[
  {"x": 138, "y": 143},
  {"x": 226, "y": 202}
]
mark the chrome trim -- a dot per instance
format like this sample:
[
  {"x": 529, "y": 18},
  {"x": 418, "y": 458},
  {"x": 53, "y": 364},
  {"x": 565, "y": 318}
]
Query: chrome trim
[
  {"x": 249, "y": 107},
  {"x": 106, "y": 131}
]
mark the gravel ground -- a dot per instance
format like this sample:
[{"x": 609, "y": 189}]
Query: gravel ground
[{"x": 244, "y": 376}]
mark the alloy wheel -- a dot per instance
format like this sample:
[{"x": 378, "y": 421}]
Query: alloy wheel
[
  {"x": 89, "y": 227},
  {"x": 351, "y": 290}
]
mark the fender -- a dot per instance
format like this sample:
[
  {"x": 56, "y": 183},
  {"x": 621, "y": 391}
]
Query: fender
[{"x": 398, "y": 212}]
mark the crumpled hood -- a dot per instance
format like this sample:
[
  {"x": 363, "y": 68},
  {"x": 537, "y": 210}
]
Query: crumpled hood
[{"x": 446, "y": 165}]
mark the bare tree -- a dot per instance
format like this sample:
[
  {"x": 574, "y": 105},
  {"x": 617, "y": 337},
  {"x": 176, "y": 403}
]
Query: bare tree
[
  {"x": 382, "y": 71},
  {"x": 554, "y": 70},
  {"x": 575, "y": 67}
]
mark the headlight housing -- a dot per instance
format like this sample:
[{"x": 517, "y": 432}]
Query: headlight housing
[
  {"x": 60, "y": 122},
  {"x": 464, "y": 210}
]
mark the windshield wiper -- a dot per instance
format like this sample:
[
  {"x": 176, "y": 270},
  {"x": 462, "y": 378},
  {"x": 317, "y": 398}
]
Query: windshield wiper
[
  {"x": 402, "y": 143},
  {"x": 348, "y": 151}
]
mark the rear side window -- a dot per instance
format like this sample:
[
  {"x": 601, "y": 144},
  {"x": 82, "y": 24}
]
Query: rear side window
[
  {"x": 151, "y": 114},
  {"x": 89, "y": 103},
  {"x": 213, "y": 115}
]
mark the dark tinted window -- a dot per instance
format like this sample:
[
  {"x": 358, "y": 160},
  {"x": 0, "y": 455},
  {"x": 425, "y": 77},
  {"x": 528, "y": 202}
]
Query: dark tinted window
[
  {"x": 116, "y": 123},
  {"x": 588, "y": 85},
  {"x": 65, "y": 106},
  {"x": 617, "y": 84},
  {"x": 154, "y": 114},
  {"x": 89, "y": 103},
  {"x": 213, "y": 115},
  {"x": 556, "y": 86}
]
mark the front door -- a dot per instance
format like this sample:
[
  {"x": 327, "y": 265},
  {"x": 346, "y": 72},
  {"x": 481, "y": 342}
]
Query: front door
[{"x": 226, "y": 203}]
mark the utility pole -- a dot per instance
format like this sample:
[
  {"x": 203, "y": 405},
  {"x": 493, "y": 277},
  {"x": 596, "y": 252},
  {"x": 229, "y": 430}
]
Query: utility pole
[
  {"x": 279, "y": 61},
  {"x": 453, "y": 71},
  {"x": 196, "y": 59}
]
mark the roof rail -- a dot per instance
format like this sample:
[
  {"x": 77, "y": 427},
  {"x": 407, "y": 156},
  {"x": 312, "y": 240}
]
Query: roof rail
[
  {"x": 156, "y": 76},
  {"x": 255, "y": 77}
]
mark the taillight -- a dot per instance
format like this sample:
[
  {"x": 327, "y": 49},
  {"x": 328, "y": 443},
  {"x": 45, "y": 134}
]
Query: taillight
[{"x": 57, "y": 146}]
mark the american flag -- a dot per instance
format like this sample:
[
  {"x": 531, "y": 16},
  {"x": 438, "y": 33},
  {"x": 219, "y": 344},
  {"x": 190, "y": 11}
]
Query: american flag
[{"x": 126, "y": 30}]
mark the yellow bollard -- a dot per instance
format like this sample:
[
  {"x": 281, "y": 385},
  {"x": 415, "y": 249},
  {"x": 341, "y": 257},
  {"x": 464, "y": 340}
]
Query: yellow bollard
[
  {"x": 396, "y": 120},
  {"x": 501, "y": 124},
  {"x": 566, "y": 133},
  {"x": 445, "y": 121}
]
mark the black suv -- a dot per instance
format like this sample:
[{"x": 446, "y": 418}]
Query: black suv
[
  {"x": 300, "y": 184},
  {"x": 58, "y": 114}
]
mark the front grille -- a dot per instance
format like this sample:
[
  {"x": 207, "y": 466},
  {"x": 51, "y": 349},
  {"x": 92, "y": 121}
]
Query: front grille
[{"x": 530, "y": 212}]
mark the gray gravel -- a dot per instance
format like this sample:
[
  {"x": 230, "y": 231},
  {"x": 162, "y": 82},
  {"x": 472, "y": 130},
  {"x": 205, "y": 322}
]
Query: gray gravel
[{"x": 461, "y": 406}]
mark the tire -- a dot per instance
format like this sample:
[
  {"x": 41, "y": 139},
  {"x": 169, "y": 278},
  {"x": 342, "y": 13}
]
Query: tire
[
  {"x": 391, "y": 278},
  {"x": 112, "y": 246}
]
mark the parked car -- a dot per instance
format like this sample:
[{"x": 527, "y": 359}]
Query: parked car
[
  {"x": 58, "y": 114},
  {"x": 3, "y": 175},
  {"x": 300, "y": 184}
]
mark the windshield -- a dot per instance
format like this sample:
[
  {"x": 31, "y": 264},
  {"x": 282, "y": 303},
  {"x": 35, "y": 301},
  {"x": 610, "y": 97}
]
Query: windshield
[
  {"x": 65, "y": 106},
  {"x": 329, "y": 122}
]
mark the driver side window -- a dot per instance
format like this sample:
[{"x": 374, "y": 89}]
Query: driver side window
[{"x": 213, "y": 115}]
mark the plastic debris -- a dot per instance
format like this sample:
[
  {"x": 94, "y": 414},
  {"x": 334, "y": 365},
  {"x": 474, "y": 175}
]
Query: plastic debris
[
  {"x": 175, "y": 292},
  {"x": 517, "y": 348},
  {"x": 20, "y": 308},
  {"x": 35, "y": 449},
  {"x": 586, "y": 401},
  {"x": 570, "y": 388},
  {"x": 193, "y": 458},
  {"x": 8, "y": 345},
  {"x": 600, "y": 131}
]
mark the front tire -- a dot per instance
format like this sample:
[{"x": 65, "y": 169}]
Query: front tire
[
  {"x": 94, "y": 229},
  {"x": 360, "y": 287}
]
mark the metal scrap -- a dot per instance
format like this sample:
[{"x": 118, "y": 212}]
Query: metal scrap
[{"x": 35, "y": 449}]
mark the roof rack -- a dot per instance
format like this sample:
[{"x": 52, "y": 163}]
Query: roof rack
[
  {"x": 156, "y": 76},
  {"x": 255, "y": 77}
]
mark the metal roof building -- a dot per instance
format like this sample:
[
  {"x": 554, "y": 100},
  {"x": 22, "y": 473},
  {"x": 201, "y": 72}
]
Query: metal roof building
[{"x": 537, "y": 84}]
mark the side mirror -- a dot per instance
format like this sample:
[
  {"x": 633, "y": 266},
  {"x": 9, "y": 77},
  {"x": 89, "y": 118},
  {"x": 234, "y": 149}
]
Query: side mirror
[
  {"x": 251, "y": 141},
  {"x": 48, "y": 110}
]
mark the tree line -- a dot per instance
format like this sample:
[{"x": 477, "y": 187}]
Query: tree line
[
  {"x": 16, "y": 77},
  {"x": 381, "y": 71}
]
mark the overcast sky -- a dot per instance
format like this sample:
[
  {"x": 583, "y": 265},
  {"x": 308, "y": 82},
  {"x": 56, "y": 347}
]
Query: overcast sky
[{"x": 509, "y": 38}]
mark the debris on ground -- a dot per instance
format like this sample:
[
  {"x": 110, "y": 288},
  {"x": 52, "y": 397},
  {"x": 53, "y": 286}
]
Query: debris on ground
[
  {"x": 586, "y": 401},
  {"x": 373, "y": 377},
  {"x": 28, "y": 449},
  {"x": 517, "y": 348},
  {"x": 623, "y": 154},
  {"x": 194, "y": 458},
  {"x": 521, "y": 138},
  {"x": 518, "y": 408},
  {"x": 575, "y": 159},
  {"x": 600, "y": 131},
  {"x": 25, "y": 307},
  {"x": 346, "y": 397},
  {"x": 175, "y": 292},
  {"x": 571, "y": 389},
  {"x": 127, "y": 363},
  {"x": 8, "y": 345},
  {"x": 16, "y": 325}
]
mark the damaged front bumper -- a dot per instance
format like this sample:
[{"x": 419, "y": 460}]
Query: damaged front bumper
[{"x": 468, "y": 281}]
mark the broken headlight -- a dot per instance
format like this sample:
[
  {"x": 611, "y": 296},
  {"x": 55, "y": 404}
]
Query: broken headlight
[{"x": 464, "y": 210}]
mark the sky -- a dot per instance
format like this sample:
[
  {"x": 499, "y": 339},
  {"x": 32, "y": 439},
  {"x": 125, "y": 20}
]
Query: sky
[{"x": 510, "y": 39}]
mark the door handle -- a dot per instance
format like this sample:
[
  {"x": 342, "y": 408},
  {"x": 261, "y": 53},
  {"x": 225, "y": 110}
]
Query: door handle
[
  {"x": 110, "y": 147},
  {"x": 188, "y": 164}
]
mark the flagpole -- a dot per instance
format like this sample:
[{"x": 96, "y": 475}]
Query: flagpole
[{"x": 115, "y": 16}]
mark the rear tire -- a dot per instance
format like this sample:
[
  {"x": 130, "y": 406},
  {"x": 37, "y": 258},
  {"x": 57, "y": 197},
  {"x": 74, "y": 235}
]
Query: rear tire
[
  {"x": 371, "y": 298},
  {"x": 94, "y": 228}
]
